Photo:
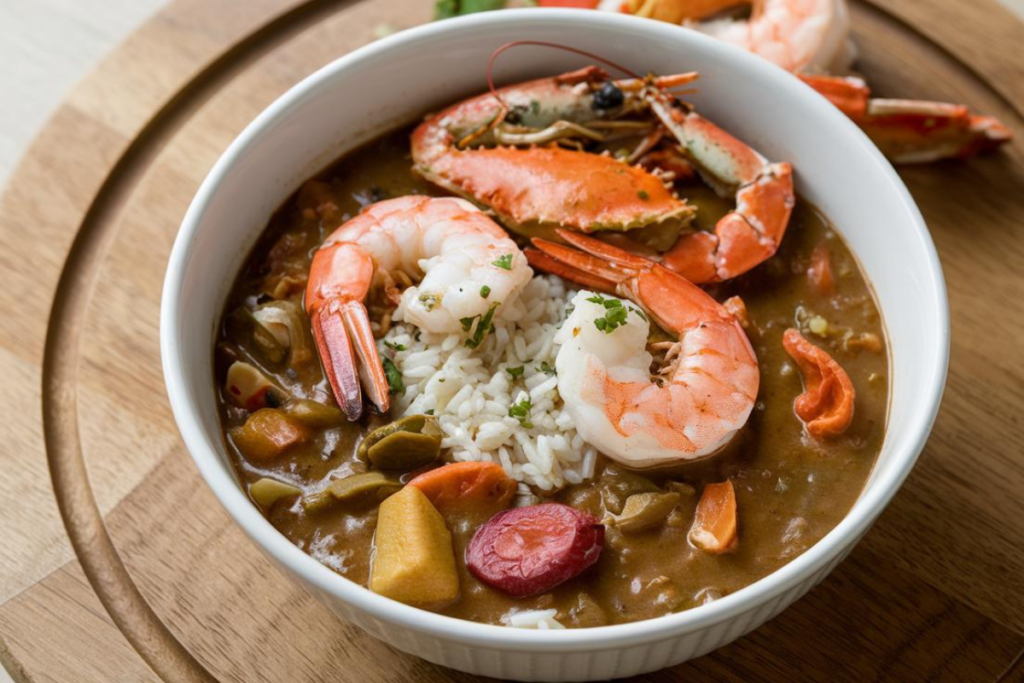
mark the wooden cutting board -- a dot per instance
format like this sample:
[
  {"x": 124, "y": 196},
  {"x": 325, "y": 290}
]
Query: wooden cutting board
[{"x": 139, "y": 575}]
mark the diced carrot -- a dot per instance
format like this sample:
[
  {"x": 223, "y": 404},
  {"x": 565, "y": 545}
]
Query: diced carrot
[
  {"x": 467, "y": 486},
  {"x": 820, "y": 271},
  {"x": 826, "y": 406},
  {"x": 714, "y": 525},
  {"x": 267, "y": 434},
  {"x": 738, "y": 309}
]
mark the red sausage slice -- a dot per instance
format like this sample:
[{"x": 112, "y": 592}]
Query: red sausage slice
[{"x": 529, "y": 550}]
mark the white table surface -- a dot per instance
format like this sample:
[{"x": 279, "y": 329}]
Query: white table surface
[{"x": 46, "y": 46}]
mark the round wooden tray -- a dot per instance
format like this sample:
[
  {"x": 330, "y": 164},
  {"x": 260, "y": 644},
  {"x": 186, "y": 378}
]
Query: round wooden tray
[{"x": 120, "y": 565}]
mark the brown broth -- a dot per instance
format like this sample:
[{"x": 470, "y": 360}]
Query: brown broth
[{"x": 791, "y": 490}]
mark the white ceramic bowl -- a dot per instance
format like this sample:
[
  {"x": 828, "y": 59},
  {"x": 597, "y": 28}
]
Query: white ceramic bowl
[{"x": 400, "y": 77}]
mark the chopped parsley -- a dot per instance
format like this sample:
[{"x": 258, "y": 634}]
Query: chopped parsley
[
  {"x": 485, "y": 291},
  {"x": 546, "y": 369},
  {"x": 394, "y": 377},
  {"x": 615, "y": 315},
  {"x": 395, "y": 347},
  {"x": 429, "y": 411},
  {"x": 504, "y": 261},
  {"x": 521, "y": 411},
  {"x": 642, "y": 194},
  {"x": 516, "y": 372},
  {"x": 483, "y": 326},
  {"x": 606, "y": 301},
  {"x": 467, "y": 323}
]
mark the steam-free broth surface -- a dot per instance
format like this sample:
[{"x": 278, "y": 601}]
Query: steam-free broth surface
[{"x": 790, "y": 489}]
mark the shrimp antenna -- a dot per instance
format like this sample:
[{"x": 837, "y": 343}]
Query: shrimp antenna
[{"x": 556, "y": 46}]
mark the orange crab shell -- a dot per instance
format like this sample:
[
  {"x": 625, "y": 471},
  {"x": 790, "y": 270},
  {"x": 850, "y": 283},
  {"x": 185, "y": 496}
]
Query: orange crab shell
[{"x": 586, "y": 192}]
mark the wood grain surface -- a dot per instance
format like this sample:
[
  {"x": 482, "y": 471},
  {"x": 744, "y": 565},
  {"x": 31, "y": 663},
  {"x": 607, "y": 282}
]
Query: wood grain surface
[{"x": 139, "y": 575}]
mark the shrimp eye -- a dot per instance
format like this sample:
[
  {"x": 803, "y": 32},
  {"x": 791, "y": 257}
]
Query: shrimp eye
[{"x": 608, "y": 97}]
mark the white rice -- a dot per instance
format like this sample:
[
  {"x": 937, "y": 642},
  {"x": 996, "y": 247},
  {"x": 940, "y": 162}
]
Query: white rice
[
  {"x": 471, "y": 392},
  {"x": 541, "y": 619}
]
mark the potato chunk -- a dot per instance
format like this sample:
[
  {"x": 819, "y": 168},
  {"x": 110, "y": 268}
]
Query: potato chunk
[{"x": 414, "y": 561}]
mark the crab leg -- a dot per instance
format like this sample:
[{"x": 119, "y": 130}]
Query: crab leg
[
  {"x": 764, "y": 194},
  {"x": 556, "y": 131},
  {"x": 912, "y": 131}
]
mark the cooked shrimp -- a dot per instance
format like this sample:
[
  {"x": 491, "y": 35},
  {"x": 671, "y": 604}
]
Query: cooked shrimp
[
  {"x": 465, "y": 265},
  {"x": 798, "y": 35},
  {"x": 697, "y": 403}
]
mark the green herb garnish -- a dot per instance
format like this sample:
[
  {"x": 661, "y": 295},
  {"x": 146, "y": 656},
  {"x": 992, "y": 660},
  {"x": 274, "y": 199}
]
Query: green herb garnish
[
  {"x": 483, "y": 327},
  {"x": 546, "y": 369},
  {"x": 395, "y": 347},
  {"x": 615, "y": 316},
  {"x": 467, "y": 323},
  {"x": 429, "y": 411},
  {"x": 521, "y": 412},
  {"x": 642, "y": 194},
  {"x": 394, "y": 377},
  {"x": 485, "y": 291},
  {"x": 516, "y": 372},
  {"x": 504, "y": 261}
]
